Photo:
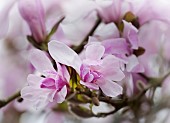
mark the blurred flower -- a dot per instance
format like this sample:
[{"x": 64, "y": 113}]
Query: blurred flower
[{"x": 33, "y": 13}]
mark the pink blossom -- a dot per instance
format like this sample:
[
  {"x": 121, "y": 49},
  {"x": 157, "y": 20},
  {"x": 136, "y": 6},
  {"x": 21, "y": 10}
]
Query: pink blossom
[
  {"x": 33, "y": 13},
  {"x": 114, "y": 11},
  {"x": 156, "y": 57},
  {"x": 95, "y": 71},
  {"x": 151, "y": 10},
  {"x": 119, "y": 45},
  {"x": 42, "y": 90}
]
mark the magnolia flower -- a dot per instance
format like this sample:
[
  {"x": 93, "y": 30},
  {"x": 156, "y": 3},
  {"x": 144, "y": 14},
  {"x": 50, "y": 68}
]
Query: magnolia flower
[
  {"x": 147, "y": 11},
  {"x": 33, "y": 13},
  {"x": 114, "y": 11},
  {"x": 95, "y": 70},
  {"x": 118, "y": 45},
  {"x": 121, "y": 46},
  {"x": 52, "y": 87},
  {"x": 156, "y": 57}
]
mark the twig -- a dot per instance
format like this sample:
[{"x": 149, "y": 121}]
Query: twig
[
  {"x": 10, "y": 99},
  {"x": 105, "y": 114}
]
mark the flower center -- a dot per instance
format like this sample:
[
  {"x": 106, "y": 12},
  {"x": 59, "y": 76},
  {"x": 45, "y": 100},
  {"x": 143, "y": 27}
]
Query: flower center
[
  {"x": 56, "y": 83},
  {"x": 88, "y": 74}
]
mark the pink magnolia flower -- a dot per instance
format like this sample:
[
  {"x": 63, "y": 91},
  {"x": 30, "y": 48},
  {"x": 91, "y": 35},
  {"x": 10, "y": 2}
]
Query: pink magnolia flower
[
  {"x": 122, "y": 46},
  {"x": 52, "y": 87},
  {"x": 33, "y": 13},
  {"x": 114, "y": 11},
  {"x": 95, "y": 70},
  {"x": 144, "y": 10},
  {"x": 121, "y": 49},
  {"x": 156, "y": 58},
  {"x": 151, "y": 10}
]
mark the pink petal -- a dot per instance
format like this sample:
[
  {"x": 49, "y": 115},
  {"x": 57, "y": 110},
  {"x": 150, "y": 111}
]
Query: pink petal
[
  {"x": 65, "y": 55},
  {"x": 110, "y": 68},
  {"x": 92, "y": 62},
  {"x": 60, "y": 96},
  {"x": 114, "y": 11},
  {"x": 138, "y": 69},
  {"x": 34, "y": 80},
  {"x": 107, "y": 12},
  {"x": 107, "y": 31},
  {"x": 151, "y": 10},
  {"x": 62, "y": 71},
  {"x": 40, "y": 103},
  {"x": 48, "y": 83},
  {"x": 30, "y": 93},
  {"x": 33, "y": 13},
  {"x": 115, "y": 46},
  {"x": 131, "y": 33},
  {"x": 40, "y": 61},
  {"x": 90, "y": 85},
  {"x": 132, "y": 63},
  {"x": 96, "y": 49},
  {"x": 52, "y": 95},
  {"x": 110, "y": 88}
]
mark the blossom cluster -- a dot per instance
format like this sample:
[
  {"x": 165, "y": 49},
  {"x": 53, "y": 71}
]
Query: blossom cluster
[{"x": 75, "y": 52}]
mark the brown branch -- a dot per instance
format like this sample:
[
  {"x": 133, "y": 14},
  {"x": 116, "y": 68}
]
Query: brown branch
[{"x": 8, "y": 100}]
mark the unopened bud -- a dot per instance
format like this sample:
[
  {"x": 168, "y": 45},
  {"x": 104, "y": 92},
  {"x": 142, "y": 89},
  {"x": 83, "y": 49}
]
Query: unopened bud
[
  {"x": 95, "y": 101},
  {"x": 33, "y": 13},
  {"x": 80, "y": 111}
]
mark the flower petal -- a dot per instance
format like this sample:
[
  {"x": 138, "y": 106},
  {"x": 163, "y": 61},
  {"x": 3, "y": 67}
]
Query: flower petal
[
  {"x": 63, "y": 54},
  {"x": 107, "y": 31},
  {"x": 134, "y": 65},
  {"x": 48, "y": 83},
  {"x": 40, "y": 61},
  {"x": 34, "y": 80},
  {"x": 33, "y": 13},
  {"x": 62, "y": 71},
  {"x": 60, "y": 96},
  {"x": 30, "y": 93},
  {"x": 110, "y": 88},
  {"x": 116, "y": 46},
  {"x": 110, "y": 68},
  {"x": 94, "y": 48},
  {"x": 131, "y": 34},
  {"x": 90, "y": 85}
]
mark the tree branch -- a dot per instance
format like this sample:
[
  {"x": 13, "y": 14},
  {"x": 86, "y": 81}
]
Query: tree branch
[{"x": 8, "y": 100}]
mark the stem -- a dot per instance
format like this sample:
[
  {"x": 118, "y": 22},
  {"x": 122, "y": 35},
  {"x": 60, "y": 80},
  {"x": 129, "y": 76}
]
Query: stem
[
  {"x": 44, "y": 44},
  {"x": 8, "y": 100},
  {"x": 105, "y": 114}
]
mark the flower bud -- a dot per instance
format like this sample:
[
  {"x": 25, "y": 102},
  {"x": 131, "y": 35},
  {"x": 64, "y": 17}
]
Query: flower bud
[
  {"x": 80, "y": 111},
  {"x": 33, "y": 13},
  {"x": 95, "y": 101}
]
